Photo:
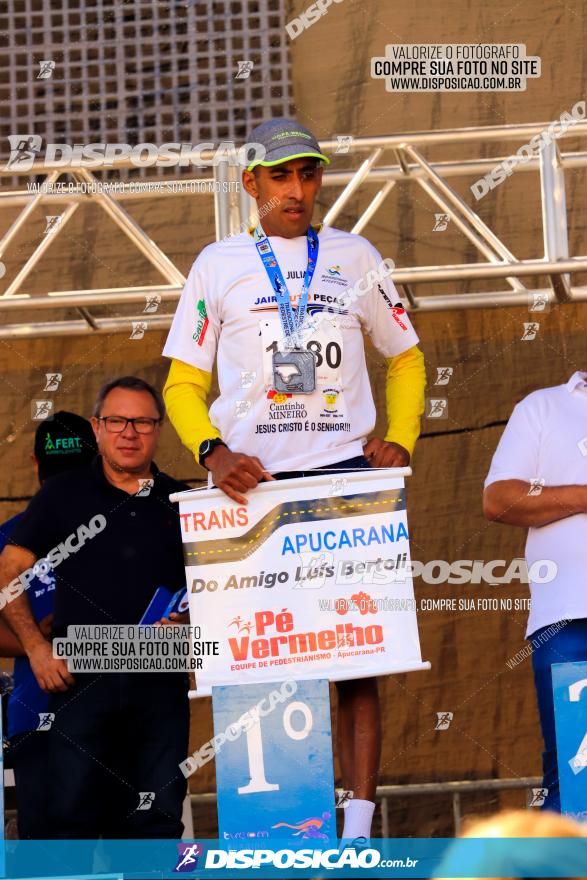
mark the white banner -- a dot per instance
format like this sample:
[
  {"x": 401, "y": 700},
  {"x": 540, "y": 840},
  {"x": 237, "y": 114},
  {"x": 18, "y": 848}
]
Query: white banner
[{"x": 310, "y": 579}]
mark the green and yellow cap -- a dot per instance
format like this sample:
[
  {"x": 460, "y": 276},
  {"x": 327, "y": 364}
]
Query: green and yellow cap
[{"x": 284, "y": 139}]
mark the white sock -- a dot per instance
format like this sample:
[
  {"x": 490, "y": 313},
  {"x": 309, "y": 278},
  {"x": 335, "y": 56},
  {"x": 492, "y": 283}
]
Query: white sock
[{"x": 357, "y": 819}]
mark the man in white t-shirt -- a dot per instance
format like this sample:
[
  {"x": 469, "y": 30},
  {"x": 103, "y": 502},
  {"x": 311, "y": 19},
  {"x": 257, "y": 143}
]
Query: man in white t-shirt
[
  {"x": 281, "y": 308},
  {"x": 538, "y": 480}
]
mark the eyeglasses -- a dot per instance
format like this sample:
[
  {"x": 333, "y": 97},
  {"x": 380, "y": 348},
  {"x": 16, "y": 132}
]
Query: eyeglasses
[{"x": 117, "y": 424}]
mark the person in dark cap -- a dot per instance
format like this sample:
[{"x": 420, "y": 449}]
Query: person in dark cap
[{"x": 66, "y": 441}]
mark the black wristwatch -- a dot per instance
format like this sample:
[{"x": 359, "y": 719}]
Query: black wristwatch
[{"x": 206, "y": 447}]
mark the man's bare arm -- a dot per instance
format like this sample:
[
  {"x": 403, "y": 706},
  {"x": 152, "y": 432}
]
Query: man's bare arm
[
  {"x": 14, "y": 561},
  {"x": 10, "y": 645},
  {"x": 51, "y": 673},
  {"x": 509, "y": 501}
]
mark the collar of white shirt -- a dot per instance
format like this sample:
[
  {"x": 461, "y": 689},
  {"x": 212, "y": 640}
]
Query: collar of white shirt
[{"x": 577, "y": 381}]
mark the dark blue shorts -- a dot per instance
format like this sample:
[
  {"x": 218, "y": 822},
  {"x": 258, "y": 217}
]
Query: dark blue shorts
[{"x": 340, "y": 467}]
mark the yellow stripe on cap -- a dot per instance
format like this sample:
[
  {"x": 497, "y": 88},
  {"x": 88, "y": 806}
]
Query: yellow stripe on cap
[{"x": 288, "y": 159}]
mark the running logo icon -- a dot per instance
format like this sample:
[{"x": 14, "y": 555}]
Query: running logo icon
[
  {"x": 46, "y": 69},
  {"x": 538, "y": 302},
  {"x": 241, "y": 625},
  {"x": 241, "y": 408},
  {"x": 53, "y": 223},
  {"x": 539, "y": 795},
  {"x": 42, "y": 409},
  {"x": 443, "y": 375},
  {"x": 244, "y": 69},
  {"x": 338, "y": 486},
  {"x": 530, "y": 330},
  {"x": 441, "y": 222},
  {"x": 152, "y": 303},
  {"x": 53, "y": 380},
  {"x": 437, "y": 408},
  {"x": 138, "y": 329},
  {"x": 24, "y": 149},
  {"x": 187, "y": 859},
  {"x": 46, "y": 719},
  {"x": 146, "y": 799},
  {"x": 343, "y": 798},
  {"x": 444, "y": 719},
  {"x": 344, "y": 143}
]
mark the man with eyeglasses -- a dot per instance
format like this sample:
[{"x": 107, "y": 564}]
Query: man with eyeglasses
[{"x": 114, "y": 736}]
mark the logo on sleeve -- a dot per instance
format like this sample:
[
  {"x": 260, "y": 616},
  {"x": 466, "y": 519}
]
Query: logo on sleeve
[
  {"x": 202, "y": 322},
  {"x": 396, "y": 310}
]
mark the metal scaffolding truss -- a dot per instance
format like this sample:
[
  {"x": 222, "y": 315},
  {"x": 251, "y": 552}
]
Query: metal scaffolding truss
[{"x": 234, "y": 210}]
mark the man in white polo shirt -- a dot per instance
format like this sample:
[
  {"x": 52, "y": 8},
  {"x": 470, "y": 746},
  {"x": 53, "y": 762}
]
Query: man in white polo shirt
[
  {"x": 282, "y": 309},
  {"x": 538, "y": 480}
]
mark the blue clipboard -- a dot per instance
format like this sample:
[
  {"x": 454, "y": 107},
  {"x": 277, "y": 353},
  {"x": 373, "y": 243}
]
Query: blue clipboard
[{"x": 164, "y": 603}]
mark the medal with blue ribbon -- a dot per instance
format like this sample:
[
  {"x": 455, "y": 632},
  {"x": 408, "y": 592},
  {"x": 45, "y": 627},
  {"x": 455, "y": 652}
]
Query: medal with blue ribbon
[{"x": 294, "y": 369}]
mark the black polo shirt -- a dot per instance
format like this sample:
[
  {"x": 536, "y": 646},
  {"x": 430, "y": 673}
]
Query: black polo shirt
[{"x": 110, "y": 575}]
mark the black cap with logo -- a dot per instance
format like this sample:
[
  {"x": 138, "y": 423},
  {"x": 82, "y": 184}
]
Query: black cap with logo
[{"x": 66, "y": 441}]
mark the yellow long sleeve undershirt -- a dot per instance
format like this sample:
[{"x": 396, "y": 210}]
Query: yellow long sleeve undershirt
[
  {"x": 187, "y": 388},
  {"x": 185, "y": 395},
  {"x": 404, "y": 396}
]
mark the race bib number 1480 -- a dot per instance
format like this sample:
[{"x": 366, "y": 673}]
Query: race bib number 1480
[{"x": 325, "y": 345}]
